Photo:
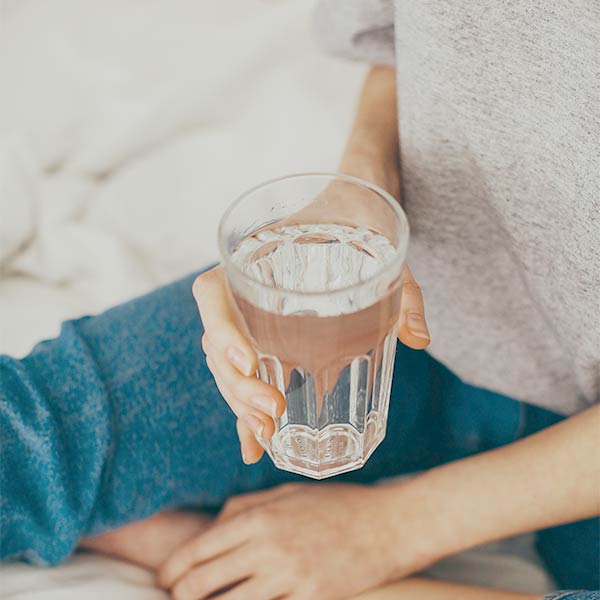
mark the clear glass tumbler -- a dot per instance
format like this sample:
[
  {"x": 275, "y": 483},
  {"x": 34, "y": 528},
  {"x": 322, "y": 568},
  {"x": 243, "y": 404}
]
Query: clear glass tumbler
[{"x": 314, "y": 264}]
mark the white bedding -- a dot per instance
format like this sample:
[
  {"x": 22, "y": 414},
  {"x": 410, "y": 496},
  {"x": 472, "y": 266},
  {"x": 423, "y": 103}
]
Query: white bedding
[
  {"x": 505, "y": 565},
  {"x": 125, "y": 129}
]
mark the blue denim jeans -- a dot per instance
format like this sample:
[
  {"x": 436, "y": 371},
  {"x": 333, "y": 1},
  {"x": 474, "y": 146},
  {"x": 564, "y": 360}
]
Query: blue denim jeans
[
  {"x": 119, "y": 418},
  {"x": 573, "y": 595}
]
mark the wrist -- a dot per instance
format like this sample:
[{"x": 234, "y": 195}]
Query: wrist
[
  {"x": 374, "y": 167},
  {"x": 416, "y": 519}
]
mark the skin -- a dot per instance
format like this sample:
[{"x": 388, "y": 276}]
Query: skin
[
  {"x": 278, "y": 543},
  {"x": 149, "y": 543},
  {"x": 284, "y": 541}
]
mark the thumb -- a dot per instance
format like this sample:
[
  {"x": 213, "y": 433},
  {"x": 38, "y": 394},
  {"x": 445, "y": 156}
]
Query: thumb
[{"x": 412, "y": 326}]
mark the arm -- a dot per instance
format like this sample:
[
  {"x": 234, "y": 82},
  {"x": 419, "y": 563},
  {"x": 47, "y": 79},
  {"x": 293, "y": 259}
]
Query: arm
[
  {"x": 547, "y": 479},
  {"x": 284, "y": 535},
  {"x": 418, "y": 588},
  {"x": 372, "y": 151}
]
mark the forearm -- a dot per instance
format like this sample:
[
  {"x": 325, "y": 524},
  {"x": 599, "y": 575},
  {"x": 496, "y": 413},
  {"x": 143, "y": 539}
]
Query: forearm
[
  {"x": 418, "y": 588},
  {"x": 547, "y": 479},
  {"x": 373, "y": 141}
]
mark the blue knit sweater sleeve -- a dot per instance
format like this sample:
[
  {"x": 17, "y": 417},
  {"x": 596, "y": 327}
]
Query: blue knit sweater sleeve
[
  {"x": 102, "y": 425},
  {"x": 55, "y": 421}
]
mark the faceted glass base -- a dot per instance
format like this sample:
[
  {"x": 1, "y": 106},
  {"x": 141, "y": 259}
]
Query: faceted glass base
[
  {"x": 320, "y": 454},
  {"x": 322, "y": 435}
]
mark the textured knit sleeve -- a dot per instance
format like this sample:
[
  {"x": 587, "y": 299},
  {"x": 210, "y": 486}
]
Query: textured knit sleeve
[
  {"x": 357, "y": 29},
  {"x": 103, "y": 425}
]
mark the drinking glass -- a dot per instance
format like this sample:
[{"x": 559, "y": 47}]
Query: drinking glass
[{"x": 314, "y": 265}]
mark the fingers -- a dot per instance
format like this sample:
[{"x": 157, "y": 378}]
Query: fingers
[
  {"x": 412, "y": 329},
  {"x": 238, "y": 504},
  {"x": 247, "y": 429},
  {"x": 252, "y": 451},
  {"x": 233, "y": 362},
  {"x": 219, "y": 321},
  {"x": 254, "y": 402},
  {"x": 255, "y": 588},
  {"x": 247, "y": 397},
  {"x": 207, "y": 578},
  {"x": 249, "y": 426},
  {"x": 244, "y": 394},
  {"x": 215, "y": 541}
]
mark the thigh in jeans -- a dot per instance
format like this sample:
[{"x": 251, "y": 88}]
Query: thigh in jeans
[{"x": 433, "y": 418}]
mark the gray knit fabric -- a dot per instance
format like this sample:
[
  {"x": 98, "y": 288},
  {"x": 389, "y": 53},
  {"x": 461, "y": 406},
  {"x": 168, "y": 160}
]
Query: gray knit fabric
[{"x": 499, "y": 106}]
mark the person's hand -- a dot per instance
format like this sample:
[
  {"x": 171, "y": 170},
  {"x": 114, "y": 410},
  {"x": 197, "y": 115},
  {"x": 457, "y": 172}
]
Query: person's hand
[
  {"x": 229, "y": 354},
  {"x": 296, "y": 541},
  {"x": 233, "y": 363},
  {"x": 149, "y": 542}
]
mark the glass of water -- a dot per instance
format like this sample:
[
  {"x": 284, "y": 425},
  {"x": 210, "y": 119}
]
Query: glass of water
[{"x": 314, "y": 263}]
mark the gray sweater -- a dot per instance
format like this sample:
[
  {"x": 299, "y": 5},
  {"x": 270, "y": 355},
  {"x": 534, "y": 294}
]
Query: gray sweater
[{"x": 499, "y": 110}]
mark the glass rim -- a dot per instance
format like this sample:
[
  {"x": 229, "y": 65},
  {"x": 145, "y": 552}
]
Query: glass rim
[{"x": 398, "y": 258}]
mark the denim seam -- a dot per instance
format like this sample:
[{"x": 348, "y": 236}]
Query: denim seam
[
  {"x": 522, "y": 421},
  {"x": 561, "y": 594}
]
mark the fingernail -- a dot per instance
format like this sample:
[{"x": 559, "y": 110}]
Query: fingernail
[
  {"x": 239, "y": 360},
  {"x": 266, "y": 404},
  {"x": 255, "y": 424},
  {"x": 417, "y": 326}
]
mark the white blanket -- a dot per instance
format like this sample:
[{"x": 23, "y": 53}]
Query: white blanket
[
  {"x": 504, "y": 565},
  {"x": 126, "y": 127}
]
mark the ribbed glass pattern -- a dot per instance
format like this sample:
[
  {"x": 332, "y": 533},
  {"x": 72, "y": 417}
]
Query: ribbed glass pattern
[{"x": 335, "y": 418}]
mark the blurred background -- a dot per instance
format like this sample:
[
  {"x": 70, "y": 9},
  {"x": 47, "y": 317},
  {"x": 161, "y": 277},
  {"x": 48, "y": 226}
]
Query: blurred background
[{"x": 127, "y": 127}]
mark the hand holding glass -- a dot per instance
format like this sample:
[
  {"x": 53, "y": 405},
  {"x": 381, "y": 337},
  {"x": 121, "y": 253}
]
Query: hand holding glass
[{"x": 314, "y": 264}]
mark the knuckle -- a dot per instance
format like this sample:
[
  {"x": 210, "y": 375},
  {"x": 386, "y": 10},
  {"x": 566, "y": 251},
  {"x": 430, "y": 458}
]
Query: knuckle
[
  {"x": 198, "y": 286},
  {"x": 291, "y": 486},
  {"x": 240, "y": 389},
  {"x": 241, "y": 429},
  {"x": 218, "y": 382},
  {"x": 259, "y": 520},
  {"x": 231, "y": 504},
  {"x": 412, "y": 295},
  {"x": 203, "y": 283},
  {"x": 411, "y": 287}
]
